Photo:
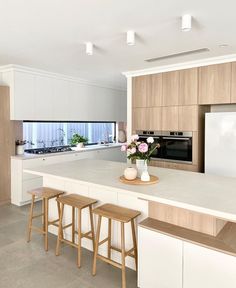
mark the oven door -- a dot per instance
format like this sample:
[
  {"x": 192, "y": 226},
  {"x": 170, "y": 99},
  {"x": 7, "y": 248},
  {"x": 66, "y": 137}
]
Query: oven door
[
  {"x": 177, "y": 148},
  {"x": 157, "y": 140}
]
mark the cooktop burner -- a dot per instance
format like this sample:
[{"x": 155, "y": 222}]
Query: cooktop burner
[{"x": 56, "y": 149}]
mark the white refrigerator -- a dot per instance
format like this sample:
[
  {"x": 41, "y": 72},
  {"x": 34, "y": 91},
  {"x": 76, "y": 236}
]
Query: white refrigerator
[{"x": 220, "y": 143}]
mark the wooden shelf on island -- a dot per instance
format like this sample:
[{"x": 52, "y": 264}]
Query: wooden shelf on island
[{"x": 224, "y": 242}]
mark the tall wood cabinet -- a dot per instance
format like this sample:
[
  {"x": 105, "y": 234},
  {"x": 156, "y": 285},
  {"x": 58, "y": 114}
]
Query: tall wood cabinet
[
  {"x": 215, "y": 84},
  {"x": 170, "y": 90},
  {"x": 9, "y": 131},
  {"x": 188, "y": 86},
  {"x": 233, "y": 84}
]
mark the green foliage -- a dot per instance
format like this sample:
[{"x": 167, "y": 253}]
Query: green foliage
[{"x": 76, "y": 138}]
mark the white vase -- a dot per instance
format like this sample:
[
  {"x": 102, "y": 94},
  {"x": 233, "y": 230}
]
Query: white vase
[
  {"x": 130, "y": 173},
  {"x": 141, "y": 166},
  {"x": 19, "y": 149},
  {"x": 80, "y": 145}
]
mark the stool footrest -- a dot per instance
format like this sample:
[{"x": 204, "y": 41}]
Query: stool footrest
[
  {"x": 103, "y": 241},
  {"x": 67, "y": 226},
  {"x": 38, "y": 215},
  {"x": 85, "y": 235},
  {"x": 69, "y": 242},
  {"x": 53, "y": 222},
  {"x": 109, "y": 261},
  {"x": 127, "y": 253}
]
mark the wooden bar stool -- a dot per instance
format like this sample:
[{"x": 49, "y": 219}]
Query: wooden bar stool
[
  {"x": 45, "y": 194},
  {"x": 122, "y": 215},
  {"x": 79, "y": 202}
]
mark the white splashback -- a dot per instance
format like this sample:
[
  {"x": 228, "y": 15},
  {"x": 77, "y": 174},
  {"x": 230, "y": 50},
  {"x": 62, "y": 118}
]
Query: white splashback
[{"x": 220, "y": 144}]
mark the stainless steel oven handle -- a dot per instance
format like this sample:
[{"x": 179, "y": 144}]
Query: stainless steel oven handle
[{"x": 175, "y": 138}]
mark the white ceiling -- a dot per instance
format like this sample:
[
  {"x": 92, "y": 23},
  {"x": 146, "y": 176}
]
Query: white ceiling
[{"x": 50, "y": 34}]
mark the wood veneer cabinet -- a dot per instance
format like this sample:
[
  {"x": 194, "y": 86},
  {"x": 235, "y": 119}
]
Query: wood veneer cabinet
[
  {"x": 188, "y": 118},
  {"x": 141, "y": 90},
  {"x": 170, "y": 88},
  {"x": 155, "y": 118},
  {"x": 215, "y": 84},
  {"x": 154, "y": 97},
  {"x": 188, "y": 86},
  {"x": 9, "y": 131},
  {"x": 233, "y": 83},
  {"x": 170, "y": 118},
  {"x": 141, "y": 119}
]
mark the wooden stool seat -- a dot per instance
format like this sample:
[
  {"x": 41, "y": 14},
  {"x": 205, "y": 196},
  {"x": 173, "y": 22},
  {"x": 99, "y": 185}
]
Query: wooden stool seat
[
  {"x": 116, "y": 213},
  {"x": 44, "y": 193},
  {"x": 122, "y": 215},
  {"x": 76, "y": 200}
]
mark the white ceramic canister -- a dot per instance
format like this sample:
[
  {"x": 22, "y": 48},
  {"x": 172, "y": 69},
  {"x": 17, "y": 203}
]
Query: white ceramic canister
[{"x": 130, "y": 173}]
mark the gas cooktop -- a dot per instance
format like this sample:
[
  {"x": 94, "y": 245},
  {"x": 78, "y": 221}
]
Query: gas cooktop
[{"x": 46, "y": 150}]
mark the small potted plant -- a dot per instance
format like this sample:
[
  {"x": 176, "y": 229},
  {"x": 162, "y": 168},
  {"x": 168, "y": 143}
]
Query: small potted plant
[
  {"x": 20, "y": 147},
  {"x": 78, "y": 140}
]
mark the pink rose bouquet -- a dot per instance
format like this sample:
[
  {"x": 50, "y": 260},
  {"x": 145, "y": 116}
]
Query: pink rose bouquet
[{"x": 140, "y": 150}]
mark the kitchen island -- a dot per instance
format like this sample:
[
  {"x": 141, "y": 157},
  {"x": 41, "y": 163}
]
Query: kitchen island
[{"x": 184, "y": 206}]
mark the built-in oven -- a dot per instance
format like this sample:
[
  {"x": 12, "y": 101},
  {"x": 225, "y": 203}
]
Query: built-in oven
[
  {"x": 177, "y": 146},
  {"x": 174, "y": 146}
]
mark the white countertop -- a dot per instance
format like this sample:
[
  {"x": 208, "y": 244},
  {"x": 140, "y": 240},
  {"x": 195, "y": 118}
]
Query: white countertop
[
  {"x": 88, "y": 148},
  {"x": 209, "y": 194}
]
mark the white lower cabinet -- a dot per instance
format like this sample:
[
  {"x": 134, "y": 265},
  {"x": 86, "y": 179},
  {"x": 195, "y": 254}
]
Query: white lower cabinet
[
  {"x": 207, "y": 268},
  {"x": 167, "y": 262},
  {"x": 160, "y": 260}
]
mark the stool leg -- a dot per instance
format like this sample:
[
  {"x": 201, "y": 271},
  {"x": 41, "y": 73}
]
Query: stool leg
[
  {"x": 134, "y": 244},
  {"x": 109, "y": 240},
  {"x": 79, "y": 238},
  {"x": 123, "y": 255},
  {"x": 73, "y": 224},
  {"x": 92, "y": 227},
  {"x": 58, "y": 209},
  {"x": 96, "y": 246},
  {"x": 30, "y": 219},
  {"x": 43, "y": 210},
  {"x": 60, "y": 228},
  {"x": 46, "y": 225}
]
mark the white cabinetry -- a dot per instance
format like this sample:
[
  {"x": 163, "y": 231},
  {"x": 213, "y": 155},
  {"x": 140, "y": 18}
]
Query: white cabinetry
[
  {"x": 167, "y": 262},
  {"x": 160, "y": 260},
  {"x": 39, "y": 95},
  {"x": 208, "y": 268}
]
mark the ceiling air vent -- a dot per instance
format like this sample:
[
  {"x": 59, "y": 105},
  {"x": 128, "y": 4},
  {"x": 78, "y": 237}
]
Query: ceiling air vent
[{"x": 202, "y": 50}]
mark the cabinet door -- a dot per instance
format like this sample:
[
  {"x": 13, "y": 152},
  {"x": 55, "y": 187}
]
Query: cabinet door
[
  {"x": 43, "y": 101},
  {"x": 207, "y": 268},
  {"x": 233, "y": 83},
  {"x": 170, "y": 91},
  {"x": 140, "y": 119},
  {"x": 188, "y": 118},
  {"x": 154, "y": 115},
  {"x": 61, "y": 99},
  {"x": 24, "y": 95},
  {"x": 154, "y": 97},
  {"x": 141, "y": 88},
  {"x": 188, "y": 87},
  {"x": 170, "y": 117},
  {"x": 160, "y": 260},
  {"x": 215, "y": 84}
]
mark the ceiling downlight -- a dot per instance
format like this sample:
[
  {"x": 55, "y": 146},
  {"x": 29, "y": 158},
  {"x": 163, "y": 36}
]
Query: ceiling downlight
[{"x": 181, "y": 54}]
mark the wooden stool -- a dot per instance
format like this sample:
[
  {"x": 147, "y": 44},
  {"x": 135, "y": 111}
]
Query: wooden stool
[
  {"x": 46, "y": 194},
  {"x": 79, "y": 202},
  {"x": 122, "y": 215}
]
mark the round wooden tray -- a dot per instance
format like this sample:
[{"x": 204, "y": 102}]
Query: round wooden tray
[{"x": 137, "y": 181}]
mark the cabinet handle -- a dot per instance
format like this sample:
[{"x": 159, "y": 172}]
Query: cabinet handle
[
  {"x": 143, "y": 199},
  {"x": 44, "y": 159}
]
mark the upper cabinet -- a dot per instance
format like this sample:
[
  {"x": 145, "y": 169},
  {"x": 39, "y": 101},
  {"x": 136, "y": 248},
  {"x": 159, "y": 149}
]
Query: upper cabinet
[
  {"x": 35, "y": 95},
  {"x": 215, "y": 84},
  {"x": 188, "y": 86},
  {"x": 141, "y": 89},
  {"x": 233, "y": 83},
  {"x": 154, "y": 98},
  {"x": 170, "y": 88}
]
